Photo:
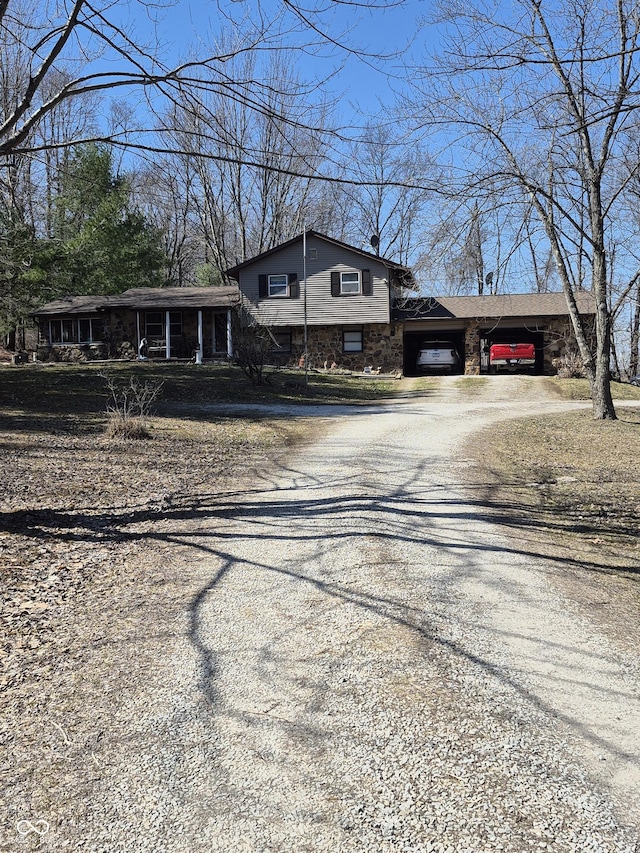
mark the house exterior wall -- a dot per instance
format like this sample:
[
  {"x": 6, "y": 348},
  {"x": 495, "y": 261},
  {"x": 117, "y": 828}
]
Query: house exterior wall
[
  {"x": 381, "y": 348},
  {"x": 121, "y": 337},
  {"x": 322, "y": 309}
]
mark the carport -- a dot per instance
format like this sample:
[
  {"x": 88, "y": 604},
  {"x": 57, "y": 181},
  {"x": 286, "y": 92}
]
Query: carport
[
  {"x": 414, "y": 339},
  {"x": 473, "y": 323},
  {"x": 516, "y": 335}
]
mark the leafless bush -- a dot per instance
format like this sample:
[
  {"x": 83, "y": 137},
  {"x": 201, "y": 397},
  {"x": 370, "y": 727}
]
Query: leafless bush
[
  {"x": 253, "y": 351},
  {"x": 130, "y": 405},
  {"x": 570, "y": 365}
]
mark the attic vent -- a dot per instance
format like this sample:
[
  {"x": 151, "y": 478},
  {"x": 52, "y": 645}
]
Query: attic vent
[{"x": 313, "y": 254}]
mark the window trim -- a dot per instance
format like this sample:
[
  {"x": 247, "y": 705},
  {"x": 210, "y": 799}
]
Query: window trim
[
  {"x": 70, "y": 331},
  {"x": 365, "y": 283},
  {"x": 285, "y": 293},
  {"x": 358, "y": 275},
  {"x": 176, "y": 325},
  {"x": 287, "y": 347}
]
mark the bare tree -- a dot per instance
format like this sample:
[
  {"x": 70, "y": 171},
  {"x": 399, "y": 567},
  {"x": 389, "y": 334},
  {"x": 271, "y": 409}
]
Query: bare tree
[
  {"x": 250, "y": 190},
  {"x": 164, "y": 192},
  {"x": 386, "y": 201},
  {"x": 543, "y": 96},
  {"x": 97, "y": 41}
]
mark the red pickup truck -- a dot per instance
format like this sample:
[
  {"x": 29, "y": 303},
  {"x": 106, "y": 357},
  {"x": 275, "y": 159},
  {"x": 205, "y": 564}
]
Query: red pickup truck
[{"x": 512, "y": 356}]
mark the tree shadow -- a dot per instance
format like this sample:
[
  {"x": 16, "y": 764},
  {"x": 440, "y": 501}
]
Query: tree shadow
[{"x": 413, "y": 509}]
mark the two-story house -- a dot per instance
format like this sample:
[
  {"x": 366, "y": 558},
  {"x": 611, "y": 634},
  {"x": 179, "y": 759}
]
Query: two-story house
[
  {"x": 354, "y": 309},
  {"x": 337, "y": 296}
]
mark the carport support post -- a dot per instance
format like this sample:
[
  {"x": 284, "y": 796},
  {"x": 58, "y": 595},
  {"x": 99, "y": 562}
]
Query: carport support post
[{"x": 167, "y": 334}]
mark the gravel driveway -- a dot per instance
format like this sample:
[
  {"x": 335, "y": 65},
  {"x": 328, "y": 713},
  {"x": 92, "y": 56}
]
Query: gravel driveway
[{"x": 340, "y": 655}]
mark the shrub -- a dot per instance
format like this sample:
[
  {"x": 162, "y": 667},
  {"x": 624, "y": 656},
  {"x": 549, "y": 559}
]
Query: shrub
[
  {"x": 253, "y": 351},
  {"x": 130, "y": 405},
  {"x": 570, "y": 366}
]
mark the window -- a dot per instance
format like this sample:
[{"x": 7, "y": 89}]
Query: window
[
  {"x": 84, "y": 330},
  {"x": 61, "y": 331},
  {"x": 90, "y": 329},
  {"x": 352, "y": 340},
  {"x": 349, "y": 283},
  {"x": 154, "y": 324},
  {"x": 278, "y": 285},
  {"x": 281, "y": 342}
]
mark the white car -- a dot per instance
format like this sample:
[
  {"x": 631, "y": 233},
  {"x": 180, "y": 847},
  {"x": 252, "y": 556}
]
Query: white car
[{"x": 437, "y": 355}]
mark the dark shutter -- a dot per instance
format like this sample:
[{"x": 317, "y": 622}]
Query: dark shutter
[
  {"x": 335, "y": 284},
  {"x": 366, "y": 282},
  {"x": 294, "y": 286},
  {"x": 263, "y": 288}
]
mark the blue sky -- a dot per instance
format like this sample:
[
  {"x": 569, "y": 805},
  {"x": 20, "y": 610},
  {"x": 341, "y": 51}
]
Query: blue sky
[{"x": 362, "y": 84}]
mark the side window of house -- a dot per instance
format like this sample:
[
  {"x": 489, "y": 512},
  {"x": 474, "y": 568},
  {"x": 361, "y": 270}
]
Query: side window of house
[
  {"x": 61, "y": 331},
  {"x": 90, "y": 329},
  {"x": 351, "y": 283},
  {"x": 352, "y": 340},
  {"x": 155, "y": 324},
  {"x": 281, "y": 342},
  {"x": 279, "y": 286}
]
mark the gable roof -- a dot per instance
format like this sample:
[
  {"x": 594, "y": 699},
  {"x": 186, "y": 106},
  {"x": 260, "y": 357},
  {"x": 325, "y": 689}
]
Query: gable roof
[
  {"x": 145, "y": 299},
  {"x": 494, "y": 306},
  {"x": 404, "y": 271}
]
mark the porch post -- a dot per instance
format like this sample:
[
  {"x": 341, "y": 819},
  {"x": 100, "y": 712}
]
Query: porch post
[
  {"x": 200, "y": 353},
  {"x": 138, "y": 331},
  {"x": 229, "y": 335},
  {"x": 167, "y": 335}
]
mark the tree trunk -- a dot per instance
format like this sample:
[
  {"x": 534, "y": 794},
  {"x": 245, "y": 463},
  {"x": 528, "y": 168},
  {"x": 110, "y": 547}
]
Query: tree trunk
[
  {"x": 602, "y": 402},
  {"x": 635, "y": 337}
]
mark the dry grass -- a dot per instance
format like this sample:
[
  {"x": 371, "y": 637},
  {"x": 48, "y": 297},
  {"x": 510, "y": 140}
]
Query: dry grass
[
  {"x": 569, "y": 485},
  {"x": 580, "y": 474}
]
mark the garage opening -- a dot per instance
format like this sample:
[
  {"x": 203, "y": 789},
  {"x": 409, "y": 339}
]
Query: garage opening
[
  {"x": 414, "y": 341},
  {"x": 511, "y": 336}
]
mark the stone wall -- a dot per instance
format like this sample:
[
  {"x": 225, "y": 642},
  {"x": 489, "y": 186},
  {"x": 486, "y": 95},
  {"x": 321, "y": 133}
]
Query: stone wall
[
  {"x": 472, "y": 348},
  {"x": 558, "y": 339},
  {"x": 381, "y": 343}
]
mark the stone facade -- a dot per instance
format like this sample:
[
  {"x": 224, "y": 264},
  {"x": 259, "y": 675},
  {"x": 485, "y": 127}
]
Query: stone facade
[
  {"x": 558, "y": 339},
  {"x": 472, "y": 348},
  {"x": 381, "y": 348}
]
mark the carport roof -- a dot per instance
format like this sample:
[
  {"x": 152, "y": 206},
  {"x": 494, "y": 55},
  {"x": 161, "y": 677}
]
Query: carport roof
[{"x": 494, "y": 306}]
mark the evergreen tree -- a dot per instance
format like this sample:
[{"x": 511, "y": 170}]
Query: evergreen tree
[{"x": 105, "y": 246}]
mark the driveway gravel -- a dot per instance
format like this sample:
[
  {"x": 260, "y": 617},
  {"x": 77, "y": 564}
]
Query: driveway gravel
[{"x": 338, "y": 653}]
